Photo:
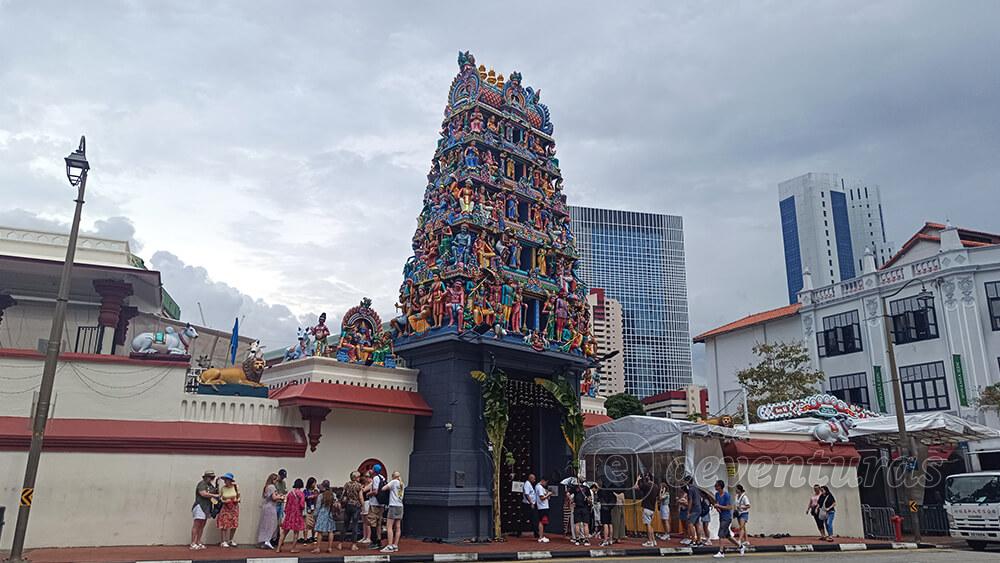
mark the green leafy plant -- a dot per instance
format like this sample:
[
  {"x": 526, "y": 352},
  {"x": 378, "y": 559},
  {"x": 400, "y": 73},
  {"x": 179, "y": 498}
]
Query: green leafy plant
[
  {"x": 496, "y": 415},
  {"x": 568, "y": 397},
  {"x": 623, "y": 404},
  {"x": 782, "y": 374}
]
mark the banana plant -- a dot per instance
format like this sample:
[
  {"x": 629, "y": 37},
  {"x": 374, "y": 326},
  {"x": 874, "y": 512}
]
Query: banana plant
[
  {"x": 496, "y": 415},
  {"x": 568, "y": 397}
]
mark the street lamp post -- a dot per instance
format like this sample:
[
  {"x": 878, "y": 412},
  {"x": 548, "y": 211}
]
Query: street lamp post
[
  {"x": 76, "y": 171},
  {"x": 905, "y": 447}
]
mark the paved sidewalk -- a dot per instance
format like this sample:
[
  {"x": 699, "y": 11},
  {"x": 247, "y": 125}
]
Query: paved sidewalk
[{"x": 417, "y": 551}]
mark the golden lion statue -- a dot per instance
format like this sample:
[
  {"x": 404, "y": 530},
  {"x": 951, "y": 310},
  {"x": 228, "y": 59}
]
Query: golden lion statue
[{"x": 249, "y": 374}]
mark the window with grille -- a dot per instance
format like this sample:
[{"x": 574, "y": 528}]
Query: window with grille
[
  {"x": 925, "y": 387},
  {"x": 993, "y": 298},
  {"x": 911, "y": 321},
  {"x": 841, "y": 334},
  {"x": 852, "y": 388}
]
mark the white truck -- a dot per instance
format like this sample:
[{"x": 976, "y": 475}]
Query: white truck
[{"x": 973, "y": 504}]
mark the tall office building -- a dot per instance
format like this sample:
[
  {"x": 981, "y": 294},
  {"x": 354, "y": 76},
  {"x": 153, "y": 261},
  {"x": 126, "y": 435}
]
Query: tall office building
[
  {"x": 827, "y": 222},
  {"x": 608, "y": 328},
  {"x": 638, "y": 259}
]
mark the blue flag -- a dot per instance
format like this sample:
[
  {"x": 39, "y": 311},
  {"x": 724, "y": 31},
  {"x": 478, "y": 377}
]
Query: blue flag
[{"x": 234, "y": 342}]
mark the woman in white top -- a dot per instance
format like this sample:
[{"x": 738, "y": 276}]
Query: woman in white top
[{"x": 742, "y": 506}]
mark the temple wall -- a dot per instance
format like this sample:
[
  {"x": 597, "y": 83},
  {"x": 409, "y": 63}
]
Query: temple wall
[
  {"x": 140, "y": 492},
  {"x": 779, "y": 495}
]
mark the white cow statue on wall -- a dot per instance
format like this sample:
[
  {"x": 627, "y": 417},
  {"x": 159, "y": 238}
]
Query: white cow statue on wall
[
  {"x": 833, "y": 430},
  {"x": 167, "y": 342}
]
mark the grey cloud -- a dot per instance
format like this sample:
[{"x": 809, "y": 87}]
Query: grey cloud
[
  {"x": 274, "y": 325},
  {"x": 302, "y": 133}
]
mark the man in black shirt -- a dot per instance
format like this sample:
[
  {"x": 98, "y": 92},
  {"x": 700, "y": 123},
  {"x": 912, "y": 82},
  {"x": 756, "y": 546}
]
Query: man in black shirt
[
  {"x": 644, "y": 489},
  {"x": 582, "y": 507}
]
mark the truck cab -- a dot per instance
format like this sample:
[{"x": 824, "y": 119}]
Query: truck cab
[{"x": 972, "y": 501}]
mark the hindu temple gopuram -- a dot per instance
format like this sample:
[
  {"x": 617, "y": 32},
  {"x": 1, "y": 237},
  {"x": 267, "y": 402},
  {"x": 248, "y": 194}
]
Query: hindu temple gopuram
[
  {"x": 493, "y": 249},
  {"x": 491, "y": 284}
]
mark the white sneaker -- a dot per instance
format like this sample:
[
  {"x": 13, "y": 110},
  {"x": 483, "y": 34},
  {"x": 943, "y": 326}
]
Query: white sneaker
[
  {"x": 686, "y": 541},
  {"x": 223, "y": 544},
  {"x": 193, "y": 547},
  {"x": 232, "y": 544},
  {"x": 743, "y": 549},
  {"x": 543, "y": 539},
  {"x": 387, "y": 549},
  {"x": 708, "y": 543},
  {"x": 719, "y": 555},
  {"x": 365, "y": 541},
  {"x": 268, "y": 545},
  {"x": 649, "y": 544}
]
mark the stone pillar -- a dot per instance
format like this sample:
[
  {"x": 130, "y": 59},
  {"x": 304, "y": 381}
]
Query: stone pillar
[
  {"x": 113, "y": 294},
  {"x": 121, "y": 331},
  {"x": 315, "y": 416}
]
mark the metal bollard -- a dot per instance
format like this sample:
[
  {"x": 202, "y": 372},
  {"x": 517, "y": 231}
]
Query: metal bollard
[{"x": 3, "y": 512}]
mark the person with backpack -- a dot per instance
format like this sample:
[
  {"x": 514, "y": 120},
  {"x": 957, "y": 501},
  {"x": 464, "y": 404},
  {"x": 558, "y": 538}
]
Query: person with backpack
[
  {"x": 204, "y": 495},
  {"x": 694, "y": 511},
  {"x": 706, "y": 519},
  {"x": 378, "y": 499}
]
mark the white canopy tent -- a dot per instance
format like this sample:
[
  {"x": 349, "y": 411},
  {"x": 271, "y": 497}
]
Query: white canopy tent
[
  {"x": 650, "y": 434},
  {"x": 642, "y": 436},
  {"x": 929, "y": 428}
]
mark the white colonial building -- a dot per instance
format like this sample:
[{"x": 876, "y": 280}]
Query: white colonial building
[{"x": 947, "y": 349}]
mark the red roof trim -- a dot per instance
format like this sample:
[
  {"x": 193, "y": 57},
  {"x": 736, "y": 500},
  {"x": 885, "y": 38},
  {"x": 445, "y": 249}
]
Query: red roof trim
[
  {"x": 666, "y": 395},
  {"x": 159, "y": 437},
  {"x": 338, "y": 395},
  {"x": 791, "y": 452},
  {"x": 750, "y": 320},
  {"x": 21, "y": 353},
  {"x": 591, "y": 420}
]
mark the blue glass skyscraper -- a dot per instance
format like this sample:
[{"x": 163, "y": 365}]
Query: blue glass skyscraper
[{"x": 638, "y": 259}]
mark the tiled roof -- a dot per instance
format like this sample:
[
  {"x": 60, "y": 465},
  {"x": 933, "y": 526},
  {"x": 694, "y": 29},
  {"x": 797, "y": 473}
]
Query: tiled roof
[
  {"x": 969, "y": 238},
  {"x": 750, "y": 320},
  {"x": 591, "y": 420},
  {"x": 665, "y": 395},
  {"x": 341, "y": 396}
]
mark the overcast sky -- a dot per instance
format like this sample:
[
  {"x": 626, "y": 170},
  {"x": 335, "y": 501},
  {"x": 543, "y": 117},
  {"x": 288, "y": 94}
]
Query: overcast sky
[{"x": 270, "y": 157}]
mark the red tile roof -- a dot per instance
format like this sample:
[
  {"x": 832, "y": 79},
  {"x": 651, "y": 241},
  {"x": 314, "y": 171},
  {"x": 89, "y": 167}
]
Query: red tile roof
[
  {"x": 591, "y": 420},
  {"x": 969, "y": 238},
  {"x": 666, "y": 395},
  {"x": 750, "y": 320},
  {"x": 338, "y": 395}
]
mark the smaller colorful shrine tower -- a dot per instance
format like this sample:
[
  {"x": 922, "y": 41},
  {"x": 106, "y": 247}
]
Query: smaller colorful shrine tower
[{"x": 491, "y": 284}]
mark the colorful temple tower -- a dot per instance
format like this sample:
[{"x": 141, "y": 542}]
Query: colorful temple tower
[
  {"x": 492, "y": 283},
  {"x": 493, "y": 249}
]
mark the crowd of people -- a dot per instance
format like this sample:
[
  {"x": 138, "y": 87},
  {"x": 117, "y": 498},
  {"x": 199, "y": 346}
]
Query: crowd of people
[
  {"x": 311, "y": 512},
  {"x": 314, "y": 512},
  {"x": 594, "y": 511}
]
